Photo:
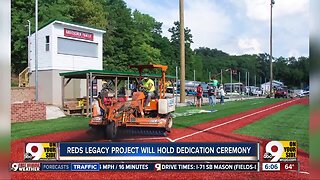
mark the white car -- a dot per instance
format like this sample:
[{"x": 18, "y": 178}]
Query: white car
[{"x": 303, "y": 93}]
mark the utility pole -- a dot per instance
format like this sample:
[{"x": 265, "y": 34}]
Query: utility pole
[
  {"x": 29, "y": 27},
  {"x": 29, "y": 39},
  {"x": 182, "y": 54},
  {"x": 255, "y": 81},
  {"x": 194, "y": 81},
  {"x": 175, "y": 90},
  {"x": 260, "y": 81},
  {"x": 221, "y": 76},
  {"x": 194, "y": 75},
  {"x": 36, "y": 53},
  {"x": 247, "y": 88},
  {"x": 231, "y": 79},
  {"x": 249, "y": 83},
  {"x": 248, "y": 78},
  {"x": 271, "y": 73},
  {"x": 239, "y": 83}
]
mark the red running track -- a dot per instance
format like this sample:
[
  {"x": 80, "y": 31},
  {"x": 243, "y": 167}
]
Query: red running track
[{"x": 220, "y": 130}]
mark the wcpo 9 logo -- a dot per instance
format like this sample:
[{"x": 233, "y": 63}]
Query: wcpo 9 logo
[
  {"x": 276, "y": 151},
  {"x": 40, "y": 151}
]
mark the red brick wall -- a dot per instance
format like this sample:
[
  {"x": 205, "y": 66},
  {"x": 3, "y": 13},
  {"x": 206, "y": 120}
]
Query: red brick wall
[
  {"x": 19, "y": 94},
  {"x": 28, "y": 111}
]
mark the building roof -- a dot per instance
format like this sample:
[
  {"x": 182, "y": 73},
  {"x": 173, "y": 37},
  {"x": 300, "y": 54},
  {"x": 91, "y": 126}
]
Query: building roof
[
  {"x": 273, "y": 82},
  {"x": 103, "y": 74},
  {"x": 83, "y": 26},
  {"x": 278, "y": 82}
]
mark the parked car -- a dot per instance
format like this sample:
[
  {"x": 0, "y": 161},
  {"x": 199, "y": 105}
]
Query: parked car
[
  {"x": 190, "y": 92},
  {"x": 304, "y": 92},
  {"x": 281, "y": 92},
  {"x": 170, "y": 89}
]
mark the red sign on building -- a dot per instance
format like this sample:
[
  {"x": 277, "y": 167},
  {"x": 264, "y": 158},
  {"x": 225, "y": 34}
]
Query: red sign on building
[{"x": 78, "y": 34}]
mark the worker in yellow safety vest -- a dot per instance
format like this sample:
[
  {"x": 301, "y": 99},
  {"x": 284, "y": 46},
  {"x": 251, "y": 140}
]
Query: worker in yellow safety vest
[
  {"x": 149, "y": 87},
  {"x": 167, "y": 84}
]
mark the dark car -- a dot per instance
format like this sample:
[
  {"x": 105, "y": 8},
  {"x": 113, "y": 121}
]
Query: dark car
[
  {"x": 281, "y": 92},
  {"x": 190, "y": 92}
]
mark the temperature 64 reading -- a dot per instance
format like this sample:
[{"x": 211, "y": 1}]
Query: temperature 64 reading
[{"x": 289, "y": 166}]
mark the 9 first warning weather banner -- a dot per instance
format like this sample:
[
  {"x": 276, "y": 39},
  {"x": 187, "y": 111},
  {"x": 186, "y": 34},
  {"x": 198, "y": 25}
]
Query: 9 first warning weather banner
[{"x": 102, "y": 151}]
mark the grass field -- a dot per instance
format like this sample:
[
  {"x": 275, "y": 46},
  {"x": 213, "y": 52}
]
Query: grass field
[
  {"x": 27, "y": 129},
  {"x": 289, "y": 124},
  {"x": 22, "y": 130}
]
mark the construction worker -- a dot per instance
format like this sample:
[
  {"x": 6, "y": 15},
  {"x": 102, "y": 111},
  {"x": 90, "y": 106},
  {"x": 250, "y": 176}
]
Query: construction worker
[
  {"x": 222, "y": 94},
  {"x": 104, "y": 92},
  {"x": 214, "y": 82},
  {"x": 148, "y": 85},
  {"x": 167, "y": 84},
  {"x": 212, "y": 95},
  {"x": 199, "y": 94}
]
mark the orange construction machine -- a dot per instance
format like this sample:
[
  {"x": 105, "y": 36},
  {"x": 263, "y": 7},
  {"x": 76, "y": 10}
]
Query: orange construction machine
[{"x": 151, "y": 119}]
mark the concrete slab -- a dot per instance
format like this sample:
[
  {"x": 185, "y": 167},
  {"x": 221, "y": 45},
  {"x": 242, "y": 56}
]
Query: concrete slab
[{"x": 53, "y": 112}]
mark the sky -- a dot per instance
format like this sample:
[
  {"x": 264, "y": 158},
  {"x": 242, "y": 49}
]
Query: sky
[{"x": 237, "y": 26}]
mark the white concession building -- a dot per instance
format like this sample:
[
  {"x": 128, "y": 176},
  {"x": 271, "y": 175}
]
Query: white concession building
[
  {"x": 265, "y": 87},
  {"x": 64, "y": 47}
]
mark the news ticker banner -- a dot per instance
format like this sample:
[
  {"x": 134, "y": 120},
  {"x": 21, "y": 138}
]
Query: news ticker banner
[
  {"x": 93, "y": 166},
  {"x": 101, "y": 151}
]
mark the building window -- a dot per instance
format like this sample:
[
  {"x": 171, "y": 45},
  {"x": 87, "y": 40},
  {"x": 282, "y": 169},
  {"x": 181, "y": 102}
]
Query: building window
[
  {"x": 47, "y": 43},
  {"x": 77, "y": 48}
]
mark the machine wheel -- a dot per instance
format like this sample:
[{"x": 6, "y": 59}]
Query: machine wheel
[
  {"x": 111, "y": 130},
  {"x": 169, "y": 123}
]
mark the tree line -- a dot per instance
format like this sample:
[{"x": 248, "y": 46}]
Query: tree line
[{"x": 135, "y": 38}]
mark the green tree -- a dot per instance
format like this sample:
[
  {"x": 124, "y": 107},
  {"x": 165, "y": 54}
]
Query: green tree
[
  {"x": 136, "y": 38},
  {"x": 119, "y": 36},
  {"x": 166, "y": 52},
  {"x": 175, "y": 42},
  {"x": 144, "y": 28},
  {"x": 88, "y": 12}
]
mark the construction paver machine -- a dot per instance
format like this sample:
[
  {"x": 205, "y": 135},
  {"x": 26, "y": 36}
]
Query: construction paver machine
[{"x": 131, "y": 116}]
